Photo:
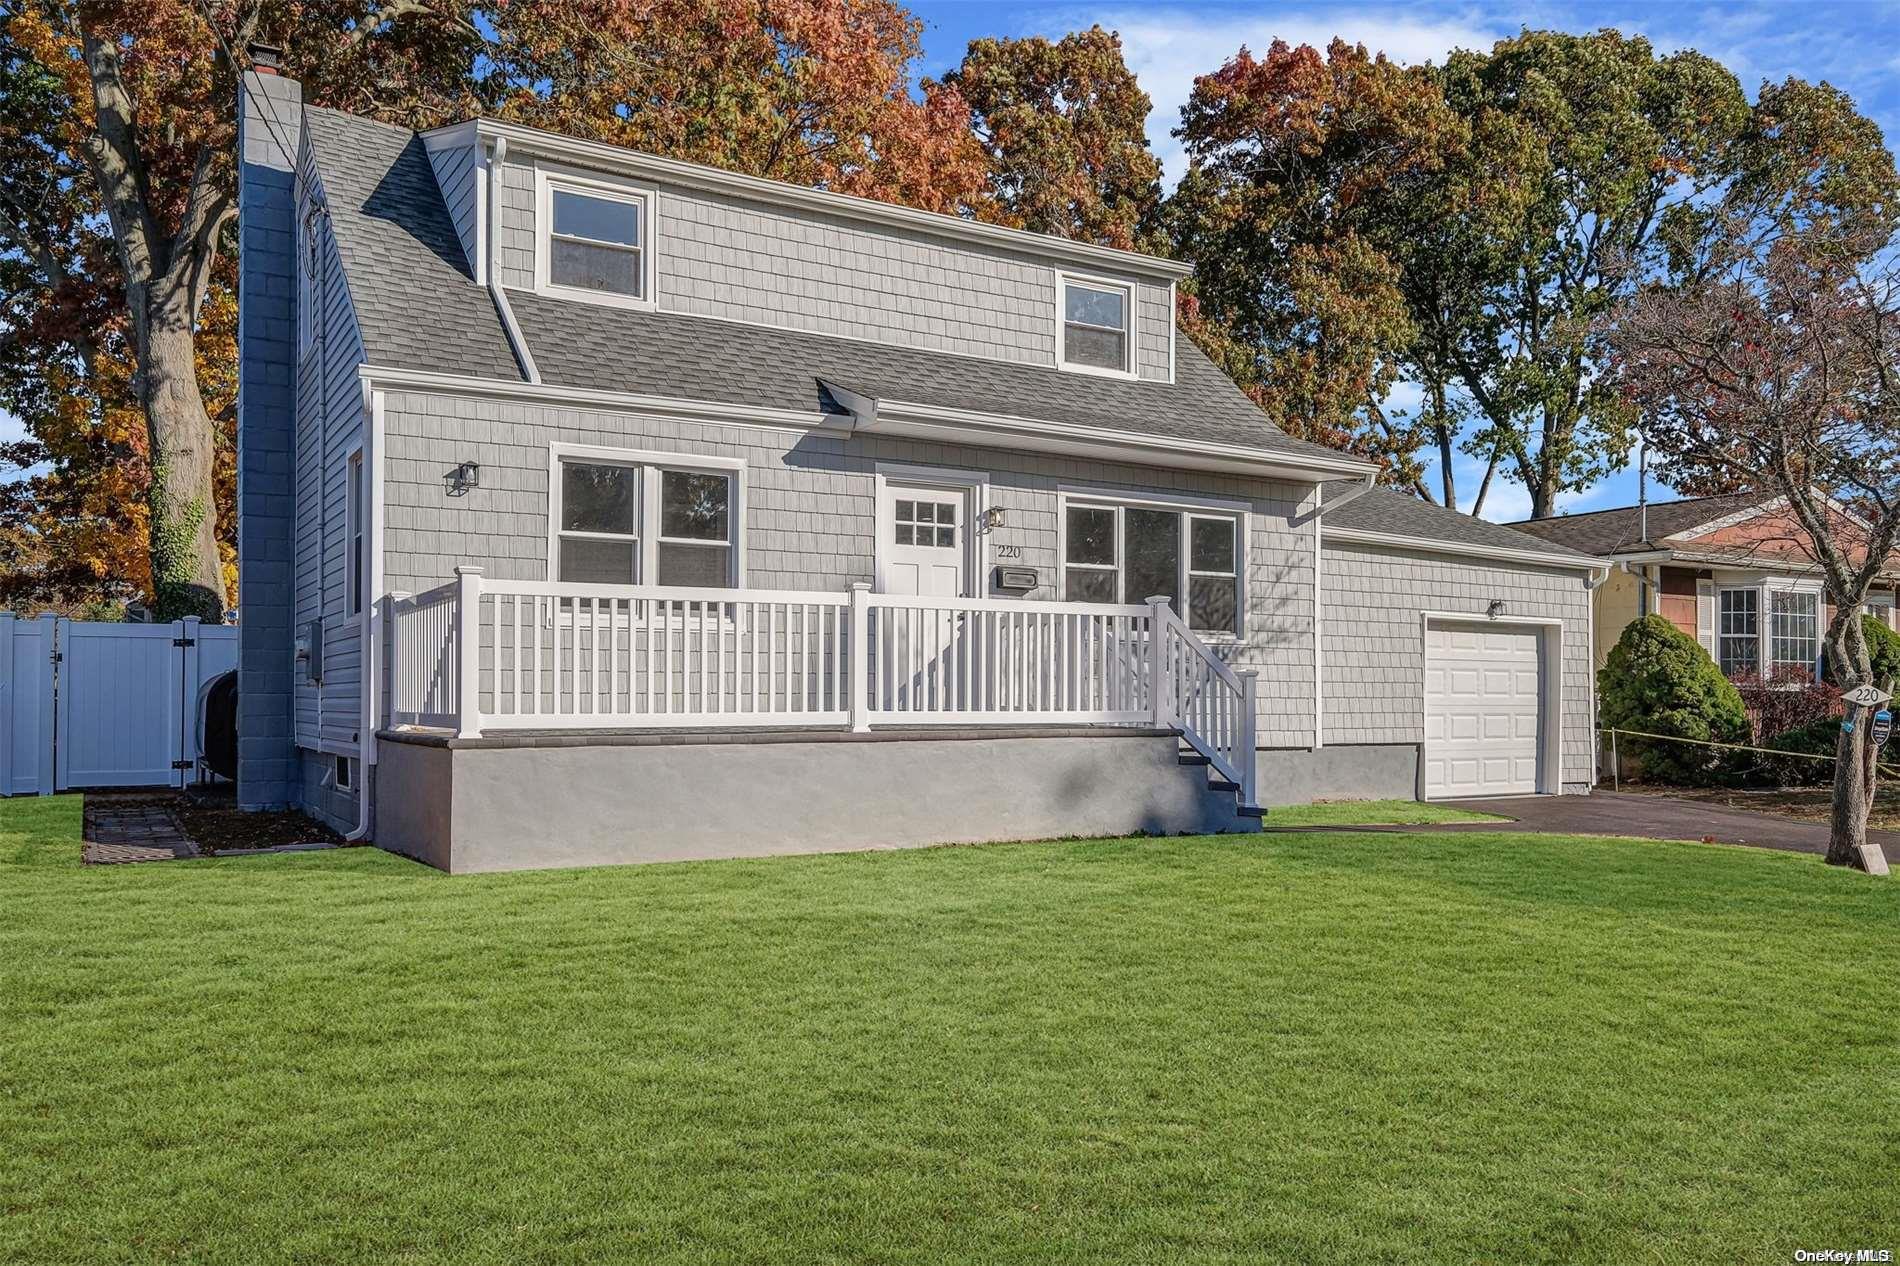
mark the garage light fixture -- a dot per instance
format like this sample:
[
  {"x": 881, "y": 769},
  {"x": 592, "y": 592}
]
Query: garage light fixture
[
  {"x": 1496, "y": 608},
  {"x": 462, "y": 478}
]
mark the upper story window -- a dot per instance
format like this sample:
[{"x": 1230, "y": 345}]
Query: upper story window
[
  {"x": 643, "y": 518},
  {"x": 1130, "y": 553},
  {"x": 1097, "y": 333},
  {"x": 594, "y": 239}
]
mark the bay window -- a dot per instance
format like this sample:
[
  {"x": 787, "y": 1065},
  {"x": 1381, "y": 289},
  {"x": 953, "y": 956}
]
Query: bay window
[
  {"x": 1130, "y": 553},
  {"x": 1795, "y": 633},
  {"x": 641, "y": 519},
  {"x": 1738, "y": 632}
]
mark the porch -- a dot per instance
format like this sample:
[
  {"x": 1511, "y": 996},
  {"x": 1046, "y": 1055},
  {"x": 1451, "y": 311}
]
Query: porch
[
  {"x": 753, "y": 694},
  {"x": 478, "y": 657}
]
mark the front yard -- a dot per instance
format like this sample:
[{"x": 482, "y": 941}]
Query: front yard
[{"x": 1234, "y": 1049}]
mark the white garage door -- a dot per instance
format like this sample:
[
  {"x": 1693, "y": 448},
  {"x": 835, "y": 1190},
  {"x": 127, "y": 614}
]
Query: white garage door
[{"x": 1483, "y": 709}]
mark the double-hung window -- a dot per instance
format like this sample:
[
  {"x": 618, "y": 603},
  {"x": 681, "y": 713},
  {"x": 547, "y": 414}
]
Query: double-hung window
[
  {"x": 1096, "y": 333},
  {"x": 1738, "y": 632},
  {"x": 636, "y": 521},
  {"x": 1795, "y": 629},
  {"x": 1130, "y": 553},
  {"x": 595, "y": 239}
]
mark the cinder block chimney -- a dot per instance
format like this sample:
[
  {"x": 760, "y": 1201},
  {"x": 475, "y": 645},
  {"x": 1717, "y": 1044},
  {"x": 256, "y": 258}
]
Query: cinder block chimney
[{"x": 270, "y": 128}]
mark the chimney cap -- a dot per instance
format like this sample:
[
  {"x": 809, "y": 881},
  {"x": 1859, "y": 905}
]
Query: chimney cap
[{"x": 268, "y": 58}]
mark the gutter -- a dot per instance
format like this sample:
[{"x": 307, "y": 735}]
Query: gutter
[{"x": 516, "y": 342}]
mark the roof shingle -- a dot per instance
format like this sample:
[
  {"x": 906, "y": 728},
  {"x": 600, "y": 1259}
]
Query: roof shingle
[
  {"x": 1399, "y": 514},
  {"x": 1605, "y": 532}
]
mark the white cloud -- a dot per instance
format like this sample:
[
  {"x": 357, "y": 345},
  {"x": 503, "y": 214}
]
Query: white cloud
[{"x": 1167, "y": 48}]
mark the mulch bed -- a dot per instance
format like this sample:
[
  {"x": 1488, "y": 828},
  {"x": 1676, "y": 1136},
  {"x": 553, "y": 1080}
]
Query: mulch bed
[{"x": 152, "y": 826}]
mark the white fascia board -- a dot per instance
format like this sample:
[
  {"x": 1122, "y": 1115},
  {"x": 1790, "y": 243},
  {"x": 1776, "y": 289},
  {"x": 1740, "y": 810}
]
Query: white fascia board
[
  {"x": 1463, "y": 549},
  {"x": 586, "y": 398},
  {"x": 615, "y": 158},
  {"x": 939, "y": 423}
]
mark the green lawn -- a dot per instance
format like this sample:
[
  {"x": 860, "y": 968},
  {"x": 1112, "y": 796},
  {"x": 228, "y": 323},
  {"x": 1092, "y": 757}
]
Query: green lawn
[
  {"x": 1371, "y": 813},
  {"x": 1305, "y": 1048}
]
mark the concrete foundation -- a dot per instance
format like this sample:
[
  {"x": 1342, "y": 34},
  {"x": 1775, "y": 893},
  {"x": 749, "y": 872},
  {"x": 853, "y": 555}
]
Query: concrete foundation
[
  {"x": 1381, "y": 771},
  {"x": 536, "y": 801}
]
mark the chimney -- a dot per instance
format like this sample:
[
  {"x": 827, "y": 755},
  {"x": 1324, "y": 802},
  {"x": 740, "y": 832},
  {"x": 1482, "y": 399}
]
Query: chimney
[
  {"x": 266, "y": 59},
  {"x": 270, "y": 129}
]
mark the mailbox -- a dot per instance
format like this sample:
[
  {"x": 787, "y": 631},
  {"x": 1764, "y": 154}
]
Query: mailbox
[{"x": 1016, "y": 579}]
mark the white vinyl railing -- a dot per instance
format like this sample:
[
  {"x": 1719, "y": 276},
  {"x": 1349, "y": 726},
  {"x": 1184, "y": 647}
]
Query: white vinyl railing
[{"x": 477, "y": 656}]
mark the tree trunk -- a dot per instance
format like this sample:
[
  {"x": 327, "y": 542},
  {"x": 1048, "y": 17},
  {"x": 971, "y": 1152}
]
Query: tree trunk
[
  {"x": 187, "y": 574},
  {"x": 1852, "y": 791}
]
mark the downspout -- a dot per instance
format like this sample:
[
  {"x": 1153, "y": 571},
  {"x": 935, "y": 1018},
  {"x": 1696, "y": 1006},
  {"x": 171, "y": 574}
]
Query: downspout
[
  {"x": 371, "y": 634},
  {"x": 498, "y": 155}
]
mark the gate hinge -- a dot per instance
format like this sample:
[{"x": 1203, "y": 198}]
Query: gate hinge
[
  {"x": 182, "y": 764},
  {"x": 184, "y": 641}
]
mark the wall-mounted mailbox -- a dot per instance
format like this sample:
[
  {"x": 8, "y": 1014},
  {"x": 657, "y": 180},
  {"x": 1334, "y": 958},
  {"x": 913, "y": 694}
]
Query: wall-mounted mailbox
[
  {"x": 1016, "y": 579},
  {"x": 309, "y": 645}
]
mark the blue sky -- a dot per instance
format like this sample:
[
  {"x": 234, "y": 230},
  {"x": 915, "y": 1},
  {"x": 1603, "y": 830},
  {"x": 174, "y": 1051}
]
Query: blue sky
[{"x": 1856, "y": 47}]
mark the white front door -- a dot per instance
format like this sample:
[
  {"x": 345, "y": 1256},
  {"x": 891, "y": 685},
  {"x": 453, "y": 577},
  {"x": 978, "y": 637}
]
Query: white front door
[
  {"x": 922, "y": 540},
  {"x": 1484, "y": 709}
]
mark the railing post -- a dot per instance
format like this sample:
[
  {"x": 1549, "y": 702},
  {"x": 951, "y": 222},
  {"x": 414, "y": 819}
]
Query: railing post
[
  {"x": 392, "y": 639},
  {"x": 859, "y": 663},
  {"x": 1245, "y": 756},
  {"x": 468, "y": 652},
  {"x": 1161, "y": 704}
]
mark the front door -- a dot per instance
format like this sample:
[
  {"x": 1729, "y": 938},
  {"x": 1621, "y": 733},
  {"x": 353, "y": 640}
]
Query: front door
[{"x": 922, "y": 541}]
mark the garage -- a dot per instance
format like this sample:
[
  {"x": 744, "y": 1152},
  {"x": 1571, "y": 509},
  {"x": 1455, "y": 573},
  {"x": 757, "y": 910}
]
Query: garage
[{"x": 1484, "y": 709}]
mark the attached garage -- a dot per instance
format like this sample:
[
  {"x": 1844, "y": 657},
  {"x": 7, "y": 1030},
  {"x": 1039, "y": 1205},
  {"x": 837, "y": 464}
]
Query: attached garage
[
  {"x": 1453, "y": 656},
  {"x": 1486, "y": 709}
]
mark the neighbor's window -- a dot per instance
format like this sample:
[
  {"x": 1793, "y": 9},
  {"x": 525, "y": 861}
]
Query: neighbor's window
[
  {"x": 1133, "y": 553},
  {"x": 1095, "y": 325},
  {"x": 1795, "y": 634},
  {"x": 1738, "y": 632},
  {"x": 599, "y": 538},
  {"x": 597, "y": 242}
]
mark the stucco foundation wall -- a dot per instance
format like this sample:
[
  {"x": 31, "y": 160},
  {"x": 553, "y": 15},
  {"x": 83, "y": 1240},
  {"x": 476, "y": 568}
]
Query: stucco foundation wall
[
  {"x": 1372, "y": 649},
  {"x": 520, "y": 808},
  {"x": 810, "y": 513},
  {"x": 1346, "y": 772}
]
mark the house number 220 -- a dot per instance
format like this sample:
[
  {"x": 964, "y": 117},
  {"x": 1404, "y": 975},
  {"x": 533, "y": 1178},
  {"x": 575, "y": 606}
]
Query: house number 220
[{"x": 1009, "y": 551}]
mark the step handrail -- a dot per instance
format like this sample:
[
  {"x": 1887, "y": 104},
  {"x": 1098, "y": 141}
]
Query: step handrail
[{"x": 1220, "y": 727}]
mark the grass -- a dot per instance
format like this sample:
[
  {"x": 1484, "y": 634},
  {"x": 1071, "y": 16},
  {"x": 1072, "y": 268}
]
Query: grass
[
  {"x": 1371, "y": 813},
  {"x": 1229, "y": 1049}
]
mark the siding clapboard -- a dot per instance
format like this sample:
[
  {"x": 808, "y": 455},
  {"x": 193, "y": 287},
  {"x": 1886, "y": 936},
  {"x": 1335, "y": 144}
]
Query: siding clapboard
[{"x": 456, "y": 172}]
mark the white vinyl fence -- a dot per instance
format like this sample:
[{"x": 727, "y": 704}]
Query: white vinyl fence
[{"x": 96, "y": 704}]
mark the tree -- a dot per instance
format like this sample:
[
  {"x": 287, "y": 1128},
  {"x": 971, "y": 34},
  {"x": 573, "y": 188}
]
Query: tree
[
  {"x": 117, "y": 194},
  {"x": 1064, "y": 127},
  {"x": 1298, "y": 164},
  {"x": 816, "y": 92},
  {"x": 1773, "y": 356}
]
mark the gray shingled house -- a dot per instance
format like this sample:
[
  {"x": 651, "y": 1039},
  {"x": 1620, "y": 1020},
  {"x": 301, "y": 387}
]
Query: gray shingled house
[{"x": 595, "y": 507}]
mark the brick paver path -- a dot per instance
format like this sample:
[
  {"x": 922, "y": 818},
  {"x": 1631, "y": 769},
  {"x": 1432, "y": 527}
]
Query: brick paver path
[{"x": 133, "y": 829}]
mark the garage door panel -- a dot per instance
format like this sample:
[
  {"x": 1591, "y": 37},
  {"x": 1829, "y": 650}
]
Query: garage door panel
[{"x": 1483, "y": 710}]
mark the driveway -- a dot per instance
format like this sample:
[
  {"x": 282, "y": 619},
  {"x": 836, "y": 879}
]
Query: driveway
[{"x": 1657, "y": 818}]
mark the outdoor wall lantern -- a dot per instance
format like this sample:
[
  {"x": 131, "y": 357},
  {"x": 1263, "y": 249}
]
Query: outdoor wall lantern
[
  {"x": 992, "y": 518},
  {"x": 1496, "y": 608},
  {"x": 462, "y": 478}
]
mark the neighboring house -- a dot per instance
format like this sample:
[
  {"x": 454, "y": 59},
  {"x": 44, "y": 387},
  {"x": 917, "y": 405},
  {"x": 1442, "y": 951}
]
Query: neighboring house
[
  {"x": 595, "y": 506},
  {"x": 1734, "y": 572}
]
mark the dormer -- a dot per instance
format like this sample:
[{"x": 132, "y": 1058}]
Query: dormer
[{"x": 588, "y": 222}]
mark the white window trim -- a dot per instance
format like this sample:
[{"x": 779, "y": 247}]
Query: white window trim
[
  {"x": 355, "y": 531},
  {"x": 546, "y": 181},
  {"x": 1189, "y": 508},
  {"x": 650, "y": 462},
  {"x": 1128, "y": 289},
  {"x": 1761, "y": 620},
  {"x": 1766, "y": 586}
]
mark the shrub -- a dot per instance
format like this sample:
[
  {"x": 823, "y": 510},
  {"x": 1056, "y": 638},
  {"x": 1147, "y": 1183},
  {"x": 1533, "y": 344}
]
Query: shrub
[
  {"x": 1883, "y": 649},
  {"x": 1660, "y": 681},
  {"x": 1790, "y": 700},
  {"x": 1817, "y": 737}
]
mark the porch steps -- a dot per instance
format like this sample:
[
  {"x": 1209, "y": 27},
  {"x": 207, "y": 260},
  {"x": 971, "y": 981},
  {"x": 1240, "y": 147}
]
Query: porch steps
[{"x": 1189, "y": 757}]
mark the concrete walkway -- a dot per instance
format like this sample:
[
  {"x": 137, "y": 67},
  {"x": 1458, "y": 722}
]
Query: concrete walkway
[{"x": 1656, "y": 818}]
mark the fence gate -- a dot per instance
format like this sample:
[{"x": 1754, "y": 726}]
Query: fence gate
[{"x": 95, "y": 704}]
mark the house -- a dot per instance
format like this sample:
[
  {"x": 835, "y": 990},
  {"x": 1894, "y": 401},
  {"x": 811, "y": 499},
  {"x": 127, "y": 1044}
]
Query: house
[
  {"x": 1735, "y": 572},
  {"x": 599, "y": 507}
]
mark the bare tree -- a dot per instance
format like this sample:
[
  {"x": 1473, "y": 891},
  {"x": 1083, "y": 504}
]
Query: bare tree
[{"x": 1774, "y": 361}]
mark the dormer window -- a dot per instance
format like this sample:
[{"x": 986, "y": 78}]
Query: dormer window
[
  {"x": 1095, "y": 334},
  {"x": 595, "y": 240}
]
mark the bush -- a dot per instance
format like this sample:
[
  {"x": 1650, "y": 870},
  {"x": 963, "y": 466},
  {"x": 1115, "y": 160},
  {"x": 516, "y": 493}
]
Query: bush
[
  {"x": 1660, "y": 681},
  {"x": 1817, "y": 737},
  {"x": 1883, "y": 649},
  {"x": 1791, "y": 700}
]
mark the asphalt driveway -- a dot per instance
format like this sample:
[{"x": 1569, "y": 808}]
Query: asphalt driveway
[{"x": 1656, "y": 818}]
